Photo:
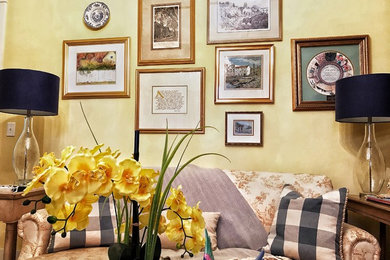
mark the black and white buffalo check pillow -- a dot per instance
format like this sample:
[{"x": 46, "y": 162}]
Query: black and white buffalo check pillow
[
  {"x": 99, "y": 232},
  {"x": 308, "y": 228}
]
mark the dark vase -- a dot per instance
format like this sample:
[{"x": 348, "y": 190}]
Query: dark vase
[{"x": 119, "y": 251}]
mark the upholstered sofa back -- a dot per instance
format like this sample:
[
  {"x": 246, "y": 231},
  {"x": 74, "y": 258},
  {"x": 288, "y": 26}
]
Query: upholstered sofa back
[{"x": 247, "y": 200}]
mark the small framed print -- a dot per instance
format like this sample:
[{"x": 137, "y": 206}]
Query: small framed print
[
  {"x": 244, "y": 128},
  {"x": 173, "y": 96},
  {"x": 166, "y": 33},
  {"x": 96, "y": 68},
  {"x": 317, "y": 63},
  {"x": 244, "y": 74},
  {"x": 237, "y": 21}
]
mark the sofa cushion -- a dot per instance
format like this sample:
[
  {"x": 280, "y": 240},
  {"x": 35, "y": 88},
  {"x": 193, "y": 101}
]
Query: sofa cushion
[
  {"x": 308, "y": 228},
  {"x": 99, "y": 232}
]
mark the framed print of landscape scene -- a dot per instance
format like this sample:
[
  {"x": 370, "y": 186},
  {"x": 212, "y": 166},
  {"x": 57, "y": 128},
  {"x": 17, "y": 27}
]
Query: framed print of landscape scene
[
  {"x": 232, "y": 21},
  {"x": 244, "y": 128},
  {"x": 166, "y": 32},
  {"x": 244, "y": 74},
  {"x": 95, "y": 68}
]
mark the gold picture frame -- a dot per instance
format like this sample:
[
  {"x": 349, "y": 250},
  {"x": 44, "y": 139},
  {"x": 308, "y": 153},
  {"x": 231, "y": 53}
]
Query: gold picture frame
[
  {"x": 238, "y": 21},
  {"x": 96, "y": 68},
  {"x": 244, "y": 74},
  {"x": 317, "y": 63},
  {"x": 166, "y": 32},
  {"x": 173, "y": 96}
]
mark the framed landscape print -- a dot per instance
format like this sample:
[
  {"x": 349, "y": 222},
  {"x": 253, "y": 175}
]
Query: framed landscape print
[
  {"x": 173, "y": 96},
  {"x": 233, "y": 21},
  {"x": 317, "y": 63},
  {"x": 166, "y": 32},
  {"x": 96, "y": 68},
  {"x": 244, "y": 74},
  {"x": 244, "y": 128}
]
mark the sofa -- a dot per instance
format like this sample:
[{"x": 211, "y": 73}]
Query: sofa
[{"x": 246, "y": 202}]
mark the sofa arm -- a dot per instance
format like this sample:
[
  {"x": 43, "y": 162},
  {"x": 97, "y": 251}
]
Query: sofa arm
[
  {"x": 35, "y": 233},
  {"x": 359, "y": 244}
]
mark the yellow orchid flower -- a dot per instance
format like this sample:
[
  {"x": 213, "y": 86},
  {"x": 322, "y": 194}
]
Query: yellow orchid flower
[
  {"x": 60, "y": 187},
  {"x": 83, "y": 168},
  {"x": 78, "y": 216},
  {"x": 65, "y": 155},
  {"x": 196, "y": 241},
  {"x": 146, "y": 188},
  {"x": 128, "y": 179},
  {"x": 177, "y": 202},
  {"x": 38, "y": 180},
  {"x": 197, "y": 220},
  {"x": 110, "y": 170},
  {"x": 174, "y": 231}
]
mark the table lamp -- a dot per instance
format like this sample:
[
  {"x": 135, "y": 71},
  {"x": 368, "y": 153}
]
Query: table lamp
[
  {"x": 30, "y": 93},
  {"x": 366, "y": 99}
]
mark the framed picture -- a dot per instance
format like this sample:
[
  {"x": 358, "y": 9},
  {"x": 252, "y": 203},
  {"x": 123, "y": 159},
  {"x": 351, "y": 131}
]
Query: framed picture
[
  {"x": 244, "y": 128},
  {"x": 317, "y": 63},
  {"x": 96, "y": 68},
  {"x": 244, "y": 74},
  {"x": 233, "y": 21},
  {"x": 170, "y": 96},
  {"x": 166, "y": 32}
]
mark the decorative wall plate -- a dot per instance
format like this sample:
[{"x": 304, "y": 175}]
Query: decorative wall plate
[
  {"x": 96, "y": 15},
  {"x": 325, "y": 69}
]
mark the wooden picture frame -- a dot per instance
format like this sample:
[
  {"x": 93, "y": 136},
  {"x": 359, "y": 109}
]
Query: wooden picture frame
[
  {"x": 166, "y": 32},
  {"x": 96, "y": 68},
  {"x": 170, "y": 96},
  {"x": 237, "y": 21},
  {"x": 244, "y": 74},
  {"x": 317, "y": 63},
  {"x": 244, "y": 128}
]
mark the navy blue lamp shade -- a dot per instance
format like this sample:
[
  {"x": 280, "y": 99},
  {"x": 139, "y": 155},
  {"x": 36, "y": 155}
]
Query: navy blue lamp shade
[
  {"x": 363, "y": 99},
  {"x": 32, "y": 92}
]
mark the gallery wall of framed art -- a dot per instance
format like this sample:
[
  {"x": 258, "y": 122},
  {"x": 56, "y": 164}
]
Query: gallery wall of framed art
[{"x": 293, "y": 140}]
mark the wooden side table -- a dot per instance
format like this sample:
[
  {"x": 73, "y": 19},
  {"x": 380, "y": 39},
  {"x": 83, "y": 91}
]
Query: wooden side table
[
  {"x": 377, "y": 211},
  {"x": 11, "y": 209}
]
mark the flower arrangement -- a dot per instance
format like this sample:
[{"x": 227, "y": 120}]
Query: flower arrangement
[{"x": 76, "y": 180}]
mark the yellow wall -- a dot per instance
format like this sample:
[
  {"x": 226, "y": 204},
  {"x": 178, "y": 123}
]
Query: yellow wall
[{"x": 310, "y": 142}]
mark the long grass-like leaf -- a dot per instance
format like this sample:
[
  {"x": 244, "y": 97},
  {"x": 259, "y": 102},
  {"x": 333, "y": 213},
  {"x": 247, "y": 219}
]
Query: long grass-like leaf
[{"x": 160, "y": 197}]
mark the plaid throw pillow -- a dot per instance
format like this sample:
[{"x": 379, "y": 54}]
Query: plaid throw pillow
[
  {"x": 99, "y": 232},
  {"x": 308, "y": 228}
]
